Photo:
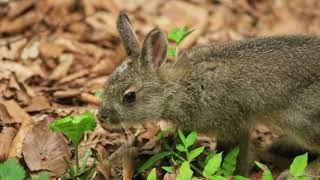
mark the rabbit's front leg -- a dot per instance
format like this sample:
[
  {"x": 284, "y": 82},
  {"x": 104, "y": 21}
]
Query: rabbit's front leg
[{"x": 245, "y": 157}]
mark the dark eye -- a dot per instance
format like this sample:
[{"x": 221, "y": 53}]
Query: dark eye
[{"x": 129, "y": 98}]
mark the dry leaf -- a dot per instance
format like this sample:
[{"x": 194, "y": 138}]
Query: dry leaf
[
  {"x": 38, "y": 103},
  {"x": 151, "y": 131},
  {"x": 50, "y": 50},
  {"x": 6, "y": 138},
  {"x": 21, "y": 71},
  {"x": 65, "y": 62},
  {"x": 44, "y": 149}
]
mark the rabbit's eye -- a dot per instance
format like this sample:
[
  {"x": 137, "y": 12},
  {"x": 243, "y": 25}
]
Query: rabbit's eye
[{"x": 129, "y": 98}]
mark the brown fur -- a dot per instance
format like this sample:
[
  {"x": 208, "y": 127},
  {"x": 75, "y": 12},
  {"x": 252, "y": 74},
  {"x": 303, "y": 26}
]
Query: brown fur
[{"x": 221, "y": 89}]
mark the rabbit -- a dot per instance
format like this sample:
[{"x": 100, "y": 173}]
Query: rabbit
[{"x": 219, "y": 89}]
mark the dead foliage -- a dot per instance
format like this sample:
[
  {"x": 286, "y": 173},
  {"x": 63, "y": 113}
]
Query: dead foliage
[{"x": 56, "y": 54}]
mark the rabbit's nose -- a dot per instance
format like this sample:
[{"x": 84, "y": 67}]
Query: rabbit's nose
[{"x": 108, "y": 115}]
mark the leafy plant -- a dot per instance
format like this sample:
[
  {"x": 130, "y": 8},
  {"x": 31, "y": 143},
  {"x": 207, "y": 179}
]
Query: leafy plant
[
  {"x": 152, "y": 175},
  {"x": 153, "y": 159},
  {"x": 215, "y": 166},
  {"x": 229, "y": 162},
  {"x": 266, "y": 175},
  {"x": 74, "y": 127},
  {"x": 184, "y": 155},
  {"x": 188, "y": 142},
  {"x": 185, "y": 172},
  {"x": 12, "y": 170},
  {"x": 177, "y": 35},
  {"x": 298, "y": 166}
]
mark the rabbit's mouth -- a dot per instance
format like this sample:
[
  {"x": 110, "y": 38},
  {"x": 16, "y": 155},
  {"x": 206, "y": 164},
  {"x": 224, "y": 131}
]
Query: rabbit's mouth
[{"x": 103, "y": 118}]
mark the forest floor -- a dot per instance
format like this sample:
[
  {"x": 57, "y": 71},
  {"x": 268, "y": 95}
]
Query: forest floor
[{"x": 55, "y": 56}]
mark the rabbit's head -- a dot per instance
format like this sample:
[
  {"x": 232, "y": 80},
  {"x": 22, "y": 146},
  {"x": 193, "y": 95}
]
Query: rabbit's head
[{"x": 134, "y": 92}]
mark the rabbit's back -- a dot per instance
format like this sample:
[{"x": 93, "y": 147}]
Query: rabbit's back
[{"x": 260, "y": 75}]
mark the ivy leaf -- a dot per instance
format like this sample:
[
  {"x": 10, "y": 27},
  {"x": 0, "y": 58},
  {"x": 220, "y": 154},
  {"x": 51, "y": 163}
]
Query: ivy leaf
[
  {"x": 213, "y": 165},
  {"x": 12, "y": 170},
  {"x": 195, "y": 153},
  {"x": 169, "y": 169},
  {"x": 152, "y": 175},
  {"x": 298, "y": 165},
  {"x": 153, "y": 159},
  {"x": 266, "y": 175},
  {"x": 191, "y": 138},
  {"x": 171, "y": 52},
  {"x": 178, "y": 34},
  {"x": 230, "y": 161},
  {"x": 74, "y": 127},
  {"x": 185, "y": 173}
]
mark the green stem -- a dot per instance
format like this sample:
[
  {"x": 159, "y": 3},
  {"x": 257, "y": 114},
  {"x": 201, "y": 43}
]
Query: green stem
[
  {"x": 71, "y": 172},
  {"x": 166, "y": 145},
  {"x": 176, "y": 55},
  {"x": 76, "y": 153}
]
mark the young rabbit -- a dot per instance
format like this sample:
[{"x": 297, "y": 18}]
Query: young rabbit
[{"x": 219, "y": 89}]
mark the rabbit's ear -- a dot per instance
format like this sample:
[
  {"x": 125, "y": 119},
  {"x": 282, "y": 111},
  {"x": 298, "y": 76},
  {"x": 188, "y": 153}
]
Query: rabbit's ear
[
  {"x": 154, "y": 50},
  {"x": 127, "y": 35}
]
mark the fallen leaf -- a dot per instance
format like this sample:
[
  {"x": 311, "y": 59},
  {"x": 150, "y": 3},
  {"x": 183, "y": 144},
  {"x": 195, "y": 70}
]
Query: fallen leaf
[
  {"x": 38, "y": 103},
  {"x": 50, "y": 50},
  {"x": 45, "y": 150},
  {"x": 151, "y": 130},
  {"x": 65, "y": 62},
  {"x": 6, "y": 138}
]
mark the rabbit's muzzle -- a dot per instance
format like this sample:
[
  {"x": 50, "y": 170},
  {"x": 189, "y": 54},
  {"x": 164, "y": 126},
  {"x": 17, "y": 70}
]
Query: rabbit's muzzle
[{"x": 108, "y": 115}]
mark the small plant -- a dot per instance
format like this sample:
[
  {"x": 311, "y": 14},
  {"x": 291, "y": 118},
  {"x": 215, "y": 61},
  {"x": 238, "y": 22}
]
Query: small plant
[
  {"x": 74, "y": 128},
  {"x": 12, "y": 170},
  {"x": 298, "y": 166},
  {"x": 214, "y": 167},
  {"x": 177, "y": 35},
  {"x": 266, "y": 175}
]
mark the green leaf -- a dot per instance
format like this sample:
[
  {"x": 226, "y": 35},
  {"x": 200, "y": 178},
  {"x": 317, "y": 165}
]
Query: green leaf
[
  {"x": 191, "y": 138},
  {"x": 153, "y": 159},
  {"x": 266, "y": 175},
  {"x": 169, "y": 169},
  {"x": 74, "y": 127},
  {"x": 98, "y": 93},
  {"x": 178, "y": 34},
  {"x": 239, "y": 178},
  {"x": 182, "y": 137},
  {"x": 185, "y": 173},
  {"x": 181, "y": 148},
  {"x": 12, "y": 170},
  {"x": 298, "y": 165},
  {"x": 195, "y": 153},
  {"x": 210, "y": 155},
  {"x": 43, "y": 176},
  {"x": 213, "y": 165},
  {"x": 230, "y": 161},
  {"x": 218, "y": 177},
  {"x": 152, "y": 175},
  {"x": 171, "y": 52}
]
